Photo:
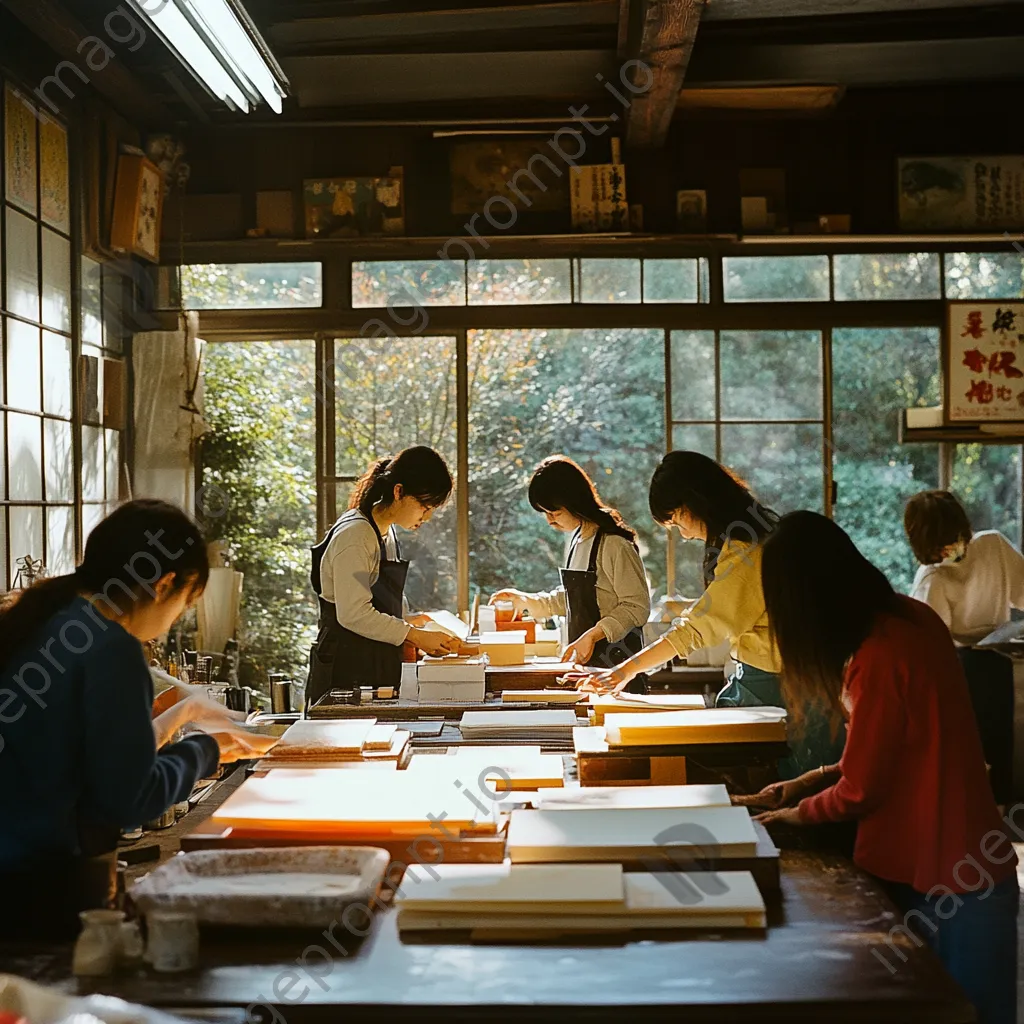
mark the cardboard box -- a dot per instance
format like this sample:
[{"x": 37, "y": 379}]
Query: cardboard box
[{"x": 507, "y": 648}]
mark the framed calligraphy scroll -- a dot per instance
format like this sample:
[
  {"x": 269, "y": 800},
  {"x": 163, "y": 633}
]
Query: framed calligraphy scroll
[
  {"x": 983, "y": 360},
  {"x": 961, "y": 193},
  {"x": 20, "y": 150}
]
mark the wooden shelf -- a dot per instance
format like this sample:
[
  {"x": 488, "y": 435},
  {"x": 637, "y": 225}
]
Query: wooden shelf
[{"x": 965, "y": 434}]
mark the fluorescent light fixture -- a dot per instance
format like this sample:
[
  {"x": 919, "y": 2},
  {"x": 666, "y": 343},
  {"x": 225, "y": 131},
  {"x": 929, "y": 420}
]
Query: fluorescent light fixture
[{"x": 214, "y": 42}]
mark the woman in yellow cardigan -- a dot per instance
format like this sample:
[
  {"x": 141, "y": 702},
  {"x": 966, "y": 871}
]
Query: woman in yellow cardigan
[{"x": 705, "y": 501}]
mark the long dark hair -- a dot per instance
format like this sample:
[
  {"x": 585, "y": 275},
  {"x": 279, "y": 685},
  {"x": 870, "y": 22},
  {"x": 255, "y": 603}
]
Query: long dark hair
[
  {"x": 422, "y": 473},
  {"x": 559, "y": 482},
  {"x": 715, "y": 496},
  {"x": 139, "y": 543},
  {"x": 822, "y": 596}
]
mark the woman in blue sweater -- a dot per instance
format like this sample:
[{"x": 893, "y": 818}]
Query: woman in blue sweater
[{"x": 78, "y": 755}]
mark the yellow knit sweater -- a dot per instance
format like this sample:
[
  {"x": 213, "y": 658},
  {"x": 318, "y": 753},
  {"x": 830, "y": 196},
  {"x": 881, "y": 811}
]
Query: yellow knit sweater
[{"x": 732, "y": 608}]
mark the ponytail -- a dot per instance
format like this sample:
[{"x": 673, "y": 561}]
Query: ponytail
[
  {"x": 559, "y": 482},
  {"x": 139, "y": 543},
  {"x": 419, "y": 471}
]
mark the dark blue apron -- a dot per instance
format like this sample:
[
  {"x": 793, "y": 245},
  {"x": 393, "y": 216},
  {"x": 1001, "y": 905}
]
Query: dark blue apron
[
  {"x": 341, "y": 659},
  {"x": 583, "y": 613}
]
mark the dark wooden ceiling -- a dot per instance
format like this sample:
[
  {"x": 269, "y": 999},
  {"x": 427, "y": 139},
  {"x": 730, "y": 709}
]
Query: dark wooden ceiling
[{"x": 508, "y": 61}]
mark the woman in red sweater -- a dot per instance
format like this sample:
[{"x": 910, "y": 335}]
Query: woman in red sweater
[{"x": 912, "y": 774}]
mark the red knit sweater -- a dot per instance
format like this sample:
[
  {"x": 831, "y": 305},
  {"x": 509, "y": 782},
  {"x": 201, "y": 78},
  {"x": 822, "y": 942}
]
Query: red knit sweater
[{"x": 913, "y": 772}]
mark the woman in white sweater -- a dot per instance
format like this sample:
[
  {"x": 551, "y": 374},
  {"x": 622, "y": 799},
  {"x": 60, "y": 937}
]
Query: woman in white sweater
[
  {"x": 604, "y": 593},
  {"x": 972, "y": 580}
]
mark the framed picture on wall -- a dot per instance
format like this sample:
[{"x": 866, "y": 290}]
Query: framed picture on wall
[
  {"x": 20, "y": 149},
  {"x": 54, "y": 177},
  {"x": 355, "y": 207},
  {"x": 961, "y": 193},
  {"x": 138, "y": 207},
  {"x": 983, "y": 359}
]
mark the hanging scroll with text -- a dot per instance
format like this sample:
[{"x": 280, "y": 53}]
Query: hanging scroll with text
[
  {"x": 984, "y": 362},
  {"x": 961, "y": 193}
]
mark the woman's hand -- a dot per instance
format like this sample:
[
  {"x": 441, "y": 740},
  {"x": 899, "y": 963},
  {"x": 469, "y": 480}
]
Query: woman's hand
[
  {"x": 239, "y": 745},
  {"x": 789, "y": 793},
  {"x": 783, "y": 816},
  {"x": 418, "y": 619},
  {"x": 437, "y": 645},
  {"x": 580, "y": 651},
  {"x": 609, "y": 682},
  {"x": 516, "y": 597}
]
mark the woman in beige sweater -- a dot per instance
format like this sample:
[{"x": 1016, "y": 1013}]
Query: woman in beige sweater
[{"x": 705, "y": 501}]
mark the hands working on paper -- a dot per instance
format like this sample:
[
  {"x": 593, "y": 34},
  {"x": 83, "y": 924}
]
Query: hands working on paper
[{"x": 197, "y": 708}]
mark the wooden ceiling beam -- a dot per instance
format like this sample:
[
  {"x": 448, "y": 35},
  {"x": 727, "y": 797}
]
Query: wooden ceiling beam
[
  {"x": 665, "y": 33},
  {"x": 63, "y": 33}
]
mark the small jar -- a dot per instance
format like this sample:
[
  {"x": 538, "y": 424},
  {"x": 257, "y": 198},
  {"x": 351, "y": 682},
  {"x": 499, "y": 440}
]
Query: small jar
[
  {"x": 98, "y": 946},
  {"x": 173, "y": 941}
]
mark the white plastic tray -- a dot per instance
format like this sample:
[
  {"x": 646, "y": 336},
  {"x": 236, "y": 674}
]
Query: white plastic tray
[
  {"x": 40, "y": 1005},
  {"x": 284, "y": 887}
]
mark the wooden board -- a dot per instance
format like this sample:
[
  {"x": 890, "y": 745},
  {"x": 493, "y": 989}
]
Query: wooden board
[
  {"x": 717, "y": 725},
  {"x": 341, "y": 803},
  {"x": 727, "y": 899},
  {"x": 542, "y": 697},
  {"x": 601, "y": 705},
  {"x": 576, "y": 797},
  {"x": 430, "y": 848},
  {"x": 560, "y": 836},
  {"x": 514, "y": 888}
]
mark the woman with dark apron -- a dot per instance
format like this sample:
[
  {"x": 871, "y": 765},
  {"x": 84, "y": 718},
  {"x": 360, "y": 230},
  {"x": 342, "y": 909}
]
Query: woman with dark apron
[
  {"x": 358, "y": 576},
  {"x": 705, "y": 501},
  {"x": 604, "y": 594},
  {"x": 972, "y": 580}
]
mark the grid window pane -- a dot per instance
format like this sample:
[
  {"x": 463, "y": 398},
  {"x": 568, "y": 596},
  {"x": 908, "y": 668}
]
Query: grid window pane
[
  {"x": 877, "y": 373},
  {"x": 117, "y": 288},
  {"x": 252, "y": 285},
  {"x": 392, "y": 393},
  {"x": 881, "y": 276},
  {"x": 60, "y": 540},
  {"x": 595, "y": 395},
  {"x": 771, "y": 375},
  {"x": 775, "y": 278},
  {"x": 408, "y": 283},
  {"x": 92, "y": 301},
  {"x": 984, "y": 275},
  {"x": 24, "y": 388},
  {"x": 670, "y": 281},
  {"x": 5, "y": 580},
  {"x": 694, "y": 437},
  {"x": 56, "y": 375},
  {"x": 22, "y": 265},
  {"x": 26, "y": 533},
  {"x": 60, "y": 481},
  {"x": 113, "y": 465},
  {"x": 782, "y": 462},
  {"x": 3, "y": 459},
  {"x": 987, "y": 480},
  {"x": 92, "y": 516},
  {"x": 693, "y": 375},
  {"x": 93, "y": 465},
  {"x": 512, "y": 282},
  {"x": 24, "y": 457},
  {"x": 56, "y": 281},
  {"x": 609, "y": 280}
]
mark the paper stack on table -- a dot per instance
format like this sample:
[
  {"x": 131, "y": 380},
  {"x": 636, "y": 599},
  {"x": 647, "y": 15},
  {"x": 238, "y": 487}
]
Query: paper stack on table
[
  {"x": 452, "y": 678},
  {"x": 610, "y": 797},
  {"x": 348, "y": 805},
  {"x": 504, "y": 648},
  {"x": 715, "y": 725},
  {"x": 527, "y": 900},
  {"x": 527, "y": 726},
  {"x": 638, "y": 703},
  {"x": 625, "y": 834},
  {"x": 308, "y": 743},
  {"x": 504, "y": 769}
]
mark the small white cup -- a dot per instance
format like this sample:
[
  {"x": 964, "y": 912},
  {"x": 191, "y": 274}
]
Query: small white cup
[{"x": 173, "y": 941}]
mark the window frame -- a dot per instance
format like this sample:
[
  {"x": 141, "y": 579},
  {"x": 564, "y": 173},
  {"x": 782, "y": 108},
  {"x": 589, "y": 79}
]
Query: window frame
[{"x": 338, "y": 318}]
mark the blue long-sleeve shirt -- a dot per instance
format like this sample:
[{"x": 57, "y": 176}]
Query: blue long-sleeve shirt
[{"x": 77, "y": 750}]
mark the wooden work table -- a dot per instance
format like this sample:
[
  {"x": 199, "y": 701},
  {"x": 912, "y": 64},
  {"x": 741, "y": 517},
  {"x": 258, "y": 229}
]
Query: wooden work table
[{"x": 814, "y": 963}]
